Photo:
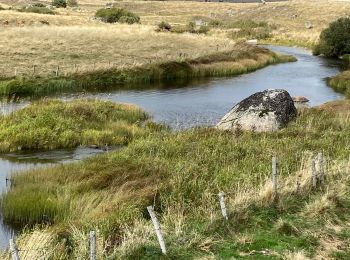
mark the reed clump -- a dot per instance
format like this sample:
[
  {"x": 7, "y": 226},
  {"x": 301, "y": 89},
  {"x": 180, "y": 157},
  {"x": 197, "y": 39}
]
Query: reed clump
[
  {"x": 115, "y": 189},
  {"x": 341, "y": 83},
  {"x": 53, "y": 124}
]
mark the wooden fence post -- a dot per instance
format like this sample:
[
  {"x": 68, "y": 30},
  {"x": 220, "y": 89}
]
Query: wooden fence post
[
  {"x": 57, "y": 70},
  {"x": 92, "y": 245},
  {"x": 274, "y": 178},
  {"x": 157, "y": 228},
  {"x": 14, "y": 250},
  {"x": 222, "y": 205},
  {"x": 313, "y": 174},
  {"x": 321, "y": 167}
]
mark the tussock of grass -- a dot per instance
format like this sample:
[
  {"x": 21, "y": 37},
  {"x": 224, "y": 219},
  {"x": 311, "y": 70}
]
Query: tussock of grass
[
  {"x": 115, "y": 188},
  {"x": 52, "y": 124},
  {"x": 341, "y": 83},
  {"x": 242, "y": 59},
  {"x": 37, "y": 10}
]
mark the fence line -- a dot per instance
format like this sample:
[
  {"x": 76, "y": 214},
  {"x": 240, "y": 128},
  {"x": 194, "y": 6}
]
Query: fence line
[
  {"x": 53, "y": 70},
  {"x": 317, "y": 174}
]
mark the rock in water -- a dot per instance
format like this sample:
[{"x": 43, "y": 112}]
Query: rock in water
[{"x": 265, "y": 111}]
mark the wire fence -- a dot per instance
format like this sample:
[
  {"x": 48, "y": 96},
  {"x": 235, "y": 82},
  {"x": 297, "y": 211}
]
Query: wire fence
[
  {"x": 316, "y": 178},
  {"x": 56, "y": 70}
]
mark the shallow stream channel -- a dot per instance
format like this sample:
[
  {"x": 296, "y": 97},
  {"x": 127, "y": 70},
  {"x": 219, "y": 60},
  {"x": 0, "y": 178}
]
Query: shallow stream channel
[{"x": 186, "y": 105}]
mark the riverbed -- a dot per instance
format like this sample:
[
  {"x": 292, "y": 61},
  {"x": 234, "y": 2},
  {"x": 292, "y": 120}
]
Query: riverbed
[{"x": 190, "y": 104}]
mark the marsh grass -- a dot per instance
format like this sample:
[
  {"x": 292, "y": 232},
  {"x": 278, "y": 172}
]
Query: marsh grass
[
  {"x": 115, "y": 188},
  {"x": 341, "y": 83},
  {"x": 242, "y": 59},
  {"x": 53, "y": 124}
]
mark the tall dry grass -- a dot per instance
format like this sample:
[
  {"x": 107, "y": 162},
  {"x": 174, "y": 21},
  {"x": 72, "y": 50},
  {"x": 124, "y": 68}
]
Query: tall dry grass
[{"x": 95, "y": 47}]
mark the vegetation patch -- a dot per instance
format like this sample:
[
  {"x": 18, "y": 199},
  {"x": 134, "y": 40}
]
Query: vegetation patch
[
  {"x": 341, "y": 83},
  {"x": 115, "y": 189},
  {"x": 242, "y": 59},
  {"x": 335, "y": 40},
  {"x": 37, "y": 10},
  {"x": 115, "y": 15},
  {"x": 59, "y": 3},
  {"x": 52, "y": 124}
]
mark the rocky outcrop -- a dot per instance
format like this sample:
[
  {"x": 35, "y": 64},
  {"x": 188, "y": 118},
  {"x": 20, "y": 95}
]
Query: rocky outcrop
[{"x": 265, "y": 111}]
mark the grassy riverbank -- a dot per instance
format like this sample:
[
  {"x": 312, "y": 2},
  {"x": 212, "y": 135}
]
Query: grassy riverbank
[
  {"x": 241, "y": 59},
  {"x": 53, "y": 124},
  {"x": 341, "y": 83},
  {"x": 115, "y": 188}
]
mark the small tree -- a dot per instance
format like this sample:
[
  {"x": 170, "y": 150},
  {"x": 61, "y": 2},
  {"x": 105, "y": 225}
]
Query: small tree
[
  {"x": 335, "y": 40},
  {"x": 59, "y": 3}
]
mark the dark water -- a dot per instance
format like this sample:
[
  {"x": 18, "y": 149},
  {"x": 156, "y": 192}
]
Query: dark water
[
  {"x": 12, "y": 163},
  {"x": 192, "y": 104},
  {"x": 205, "y": 102}
]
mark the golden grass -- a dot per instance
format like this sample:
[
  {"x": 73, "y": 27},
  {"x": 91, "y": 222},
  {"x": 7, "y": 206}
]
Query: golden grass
[
  {"x": 97, "y": 47},
  {"x": 289, "y": 17}
]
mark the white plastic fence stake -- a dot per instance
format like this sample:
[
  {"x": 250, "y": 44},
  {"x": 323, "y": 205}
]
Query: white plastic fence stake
[
  {"x": 274, "y": 177},
  {"x": 92, "y": 245},
  {"x": 222, "y": 205},
  {"x": 313, "y": 174},
  {"x": 14, "y": 250},
  {"x": 157, "y": 228},
  {"x": 321, "y": 166}
]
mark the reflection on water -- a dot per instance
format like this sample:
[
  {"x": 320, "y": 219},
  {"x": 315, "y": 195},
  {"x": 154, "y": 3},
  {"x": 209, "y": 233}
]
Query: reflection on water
[
  {"x": 12, "y": 163},
  {"x": 205, "y": 102}
]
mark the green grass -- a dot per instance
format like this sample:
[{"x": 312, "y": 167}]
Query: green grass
[
  {"x": 245, "y": 59},
  {"x": 52, "y": 124},
  {"x": 341, "y": 83},
  {"x": 181, "y": 173}
]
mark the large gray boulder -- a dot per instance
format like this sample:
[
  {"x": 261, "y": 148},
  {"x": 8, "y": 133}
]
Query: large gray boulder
[{"x": 265, "y": 111}]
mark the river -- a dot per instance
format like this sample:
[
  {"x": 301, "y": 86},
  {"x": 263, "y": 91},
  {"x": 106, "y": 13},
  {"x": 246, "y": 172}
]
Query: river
[{"x": 197, "y": 103}]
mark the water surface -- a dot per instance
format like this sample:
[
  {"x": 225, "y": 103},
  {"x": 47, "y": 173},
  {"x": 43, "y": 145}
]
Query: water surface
[
  {"x": 204, "y": 102},
  {"x": 196, "y": 103}
]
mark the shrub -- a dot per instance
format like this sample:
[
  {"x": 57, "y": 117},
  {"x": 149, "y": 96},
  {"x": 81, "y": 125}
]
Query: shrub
[
  {"x": 114, "y": 15},
  {"x": 37, "y": 10},
  {"x": 215, "y": 23},
  {"x": 38, "y": 5},
  {"x": 59, "y": 3},
  {"x": 1, "y": 8},
  {"x": 164, "y": 26},
  {"x": 192, "y": 28},
  {"x": 334, "y": 40},
  {"x": 72, "y": 3}
]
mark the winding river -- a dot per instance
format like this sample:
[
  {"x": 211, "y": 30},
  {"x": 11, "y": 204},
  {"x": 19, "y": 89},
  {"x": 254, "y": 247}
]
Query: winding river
[{"x": 197, "y": 103}]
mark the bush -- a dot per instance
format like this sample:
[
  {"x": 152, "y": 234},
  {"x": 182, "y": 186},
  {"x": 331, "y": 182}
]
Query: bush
[
  {"x": 37, "y": 10},
  {"x": 114, "y": 15},
  {"x": 1, "y": 8},
  {"x": 251, "y": 33},
  {"x": 335, "y": 40},
  {"x": 72, "y": 3},
  {"x": 192, "y": 28},
  {"x": 38, "y": 5},
  {"x": 59, "y": 3},
  {"x": 215, "y": 23},
  {"x": 164, "y": 26}
]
